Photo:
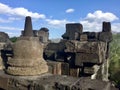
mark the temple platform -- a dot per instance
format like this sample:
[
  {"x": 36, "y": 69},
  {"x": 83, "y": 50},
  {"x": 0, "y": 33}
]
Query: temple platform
[{"x": 51, "y": 82}]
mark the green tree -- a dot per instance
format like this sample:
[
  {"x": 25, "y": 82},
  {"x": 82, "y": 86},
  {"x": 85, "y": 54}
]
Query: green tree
[
  {"x": 115, "y": 59},
  {"x": 13, "y": 39}
]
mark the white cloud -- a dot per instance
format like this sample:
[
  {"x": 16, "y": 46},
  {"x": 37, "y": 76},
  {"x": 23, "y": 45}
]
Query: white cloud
[
  {"x": 4, "y": 28},
  {"x": 91, "y": 26},
  {"x": 8, "y": 20},
  {"x": 69, "y": 10},
  {"x": 13, "y": 18},
  {"x": 11, "y": 31},
  {"x": 93, "y": 21},
  {"x": 99, "y": 16},
  {"x": 58, "y": 23},
  {"x": 20, "y": 11},
  {"x": 116, "y": 27}
]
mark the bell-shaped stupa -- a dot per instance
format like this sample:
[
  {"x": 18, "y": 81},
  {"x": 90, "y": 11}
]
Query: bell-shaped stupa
[{"x": 28, "y": 54}]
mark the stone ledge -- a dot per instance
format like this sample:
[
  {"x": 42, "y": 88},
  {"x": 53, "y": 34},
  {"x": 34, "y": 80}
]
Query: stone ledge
[{"x": 51, "y": 82}]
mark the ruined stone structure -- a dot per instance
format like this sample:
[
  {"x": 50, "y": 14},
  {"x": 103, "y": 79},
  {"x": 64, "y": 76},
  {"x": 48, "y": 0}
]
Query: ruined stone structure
[
  {"x": 28, "y": 56},
  {"x": 5, "y": 44},
  {"x": 87, "y": 53},
  {"x": 73, "y": 31},
  {"x": 4, "y": 37},
  {"x": 42, "y": 34},
  {"x": 66, "y": 62}
]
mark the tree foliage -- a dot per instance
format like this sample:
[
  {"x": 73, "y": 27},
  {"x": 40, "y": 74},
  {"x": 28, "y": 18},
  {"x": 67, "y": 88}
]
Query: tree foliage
[
  {"x": 115, "y": 59},
  {"x": 13, "y": 39}
]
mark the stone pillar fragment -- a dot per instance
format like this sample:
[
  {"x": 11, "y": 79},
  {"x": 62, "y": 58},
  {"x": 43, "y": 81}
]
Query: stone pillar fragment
[
  {"x": 28, "y": 27},
  {"x": 83, "y": 37},
  {"x": 106, "y": 27},
  {"x": 106, "y": 34},
  {"x": 73, "y": 31},
  {"x": 74, "y": 72},
  {"x": 54, "y": 67}
]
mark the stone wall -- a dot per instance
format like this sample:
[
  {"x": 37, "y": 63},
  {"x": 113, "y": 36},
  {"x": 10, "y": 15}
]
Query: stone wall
[
  {"x": 5, "y": 44},
  {"x": 42, "y": 34},
  {"x": 87, "y": 53}
]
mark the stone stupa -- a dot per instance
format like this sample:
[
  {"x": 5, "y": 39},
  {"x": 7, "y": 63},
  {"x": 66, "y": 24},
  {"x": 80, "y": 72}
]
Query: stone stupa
[{"x": 28, "y": 54}]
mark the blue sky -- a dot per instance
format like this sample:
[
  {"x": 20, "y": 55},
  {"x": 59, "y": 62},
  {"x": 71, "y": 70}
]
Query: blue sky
[{"x": 54, "y": 14}]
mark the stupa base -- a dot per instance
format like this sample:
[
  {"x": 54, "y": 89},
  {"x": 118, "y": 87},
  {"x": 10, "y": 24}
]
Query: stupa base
[{"x": 27, "y": 71}]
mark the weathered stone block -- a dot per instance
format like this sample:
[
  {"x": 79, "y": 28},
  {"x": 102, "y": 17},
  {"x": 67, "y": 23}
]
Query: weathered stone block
[
  {"x": 106, "y": 27},
  {"x": 83, "y": 37},
  {"x": 87, "y": 58},
  {"x": 60, "y": 56},
  {"x": 56, "y": 46},
  {"x": 49, "y": 54},
  {"x": 88, "y": 84},
  {"x": 54, "y": 67},
  {"x": 92, "y": 36},
  {"x": 1, "y": 64},
  {"x": 70, "y": 46},
  {"x": 85, "y": 47},
  {"x": 52, "y": 46},
  {"x": 88, "y": 70},
  {"x": 2, "y": 44},
  {"x": 73, "y": 31},
  {"x": 59, "y": 86},
  {"x": 74, "y": 72},
  {"x": 55, "y": 51},
  {"x": 4, "y": 82},
  {"x": 65, "y": 68},
  {"x": 105, "y": 36},
  {"x": 43, "y": 35},
  {"x": 18, "y": 88},
  {"x": 4, "y": 38},
  {"x": 59, "y": 68},
  {"x": 41, "y": 87}
]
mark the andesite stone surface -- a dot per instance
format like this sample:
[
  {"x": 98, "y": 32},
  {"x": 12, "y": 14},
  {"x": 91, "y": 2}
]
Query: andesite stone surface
[
  {"x": 28, "y": 55},
  {"x": 83, "y": 50},
  {"x": 51, "y": 82},
  {"x": 28, "y": 27}
]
